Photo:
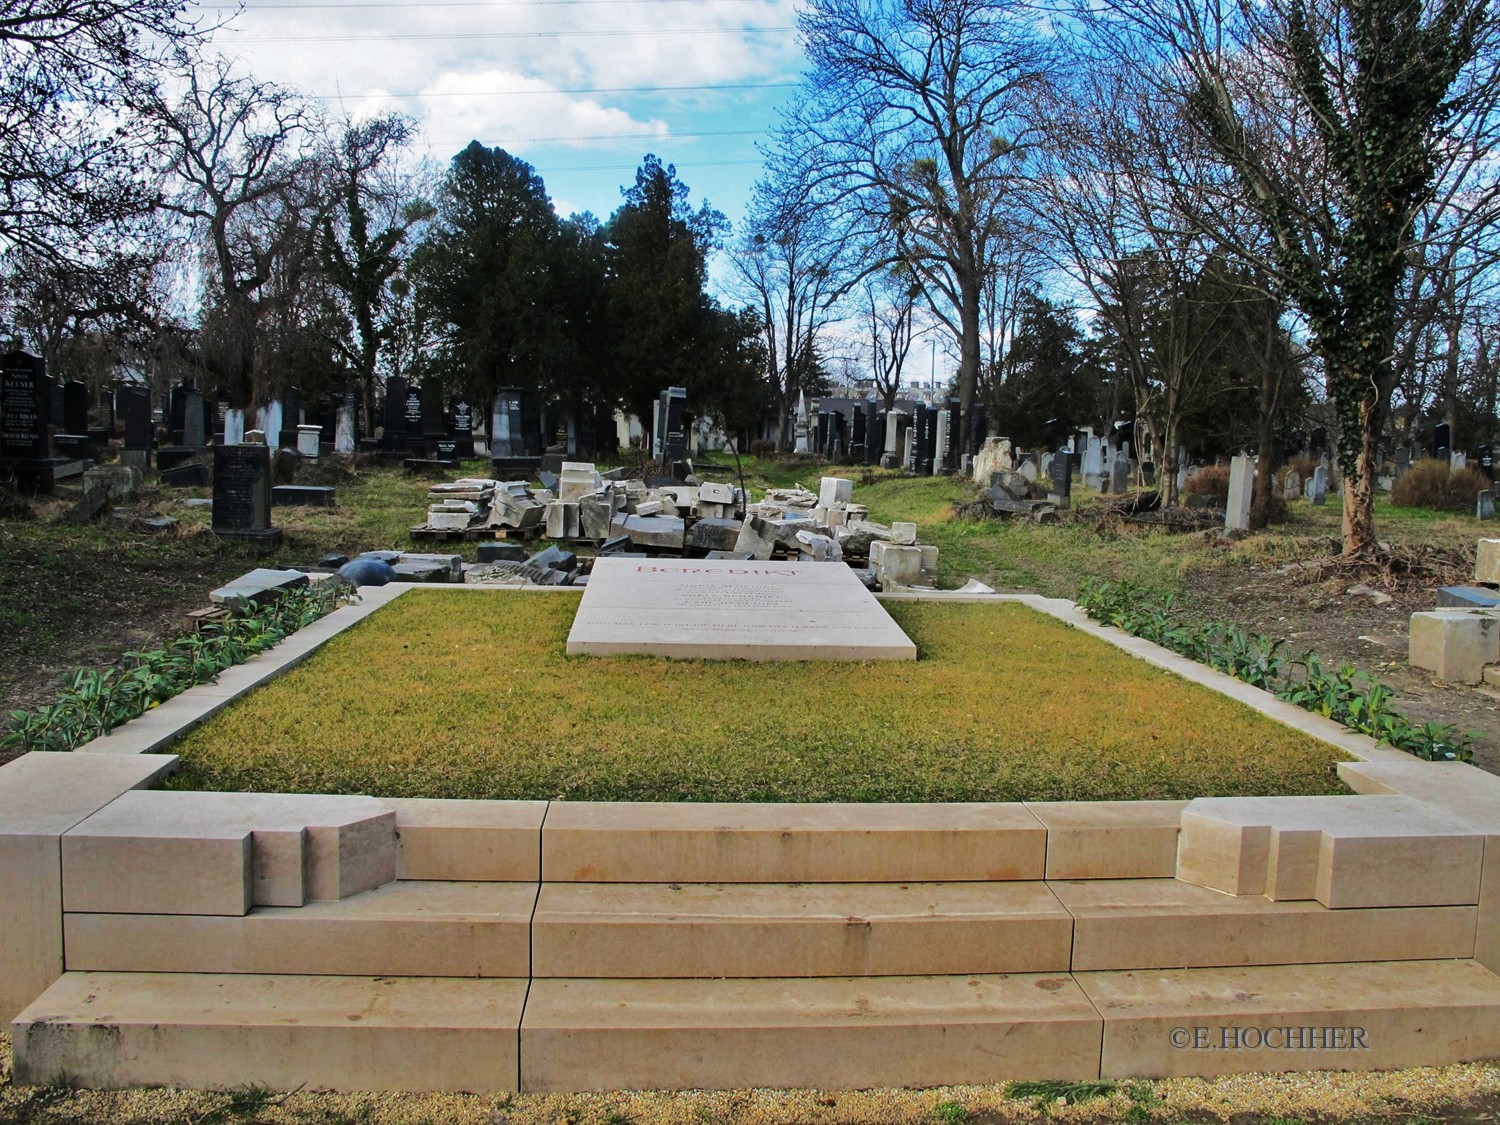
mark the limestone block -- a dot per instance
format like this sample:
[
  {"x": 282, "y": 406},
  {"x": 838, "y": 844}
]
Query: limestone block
[
  {"x": 655, "y": 531},
  {"x": 1487, "y": 562},
  {"x": 756, "y": 536},
  {"x": 714, "y": 535},
  {"x": 412, "y": 929},
  {"x": 1456, "y": 644},
  {"x": 903, "y": 534},
  {"x": 1110, "y": 839},
  {"x": 192, "y": 853},
  {"x": 644, "y": 842},
  {"x": 594, "y": 513},
  {"x": 1410, "y": 1013},
  {"x": 117, "y": 1030},
  {"x": 895, "y": 565},
  {"x": 710, "y": 493},
  {"x": 557, "y": 520},
  {"x": 1463, "y": 792},
  {"x": 835, "y": 491},
  {"x": 41, "y": 797},
  {"x": 1166, "y": 923},
  {"x": 1343, "y": 851},
  {"x": 780, "y": 930},
  {"x": 485, "y": 841},
  {"x": 260, "y": 586},
  {"x": 830, "y": 1033}
]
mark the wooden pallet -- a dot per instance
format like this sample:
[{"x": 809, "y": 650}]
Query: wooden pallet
[{"x": 471, "y": 534}]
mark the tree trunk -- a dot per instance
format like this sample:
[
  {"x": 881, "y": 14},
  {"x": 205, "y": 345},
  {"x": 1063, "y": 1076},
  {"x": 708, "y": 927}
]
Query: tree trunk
[
  {"x": 1359, "y": 489},
  {"x": 1270, "y": 390},
  {"x": 968, "y": 366}
]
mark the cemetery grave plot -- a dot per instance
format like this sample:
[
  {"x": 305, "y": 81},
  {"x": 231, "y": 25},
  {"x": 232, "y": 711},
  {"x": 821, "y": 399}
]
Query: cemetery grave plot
[{"x": 472, "y": 695}]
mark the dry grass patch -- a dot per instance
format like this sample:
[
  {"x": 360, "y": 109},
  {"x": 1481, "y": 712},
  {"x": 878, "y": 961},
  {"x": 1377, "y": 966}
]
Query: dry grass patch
[{"x": 449, "y": 694}]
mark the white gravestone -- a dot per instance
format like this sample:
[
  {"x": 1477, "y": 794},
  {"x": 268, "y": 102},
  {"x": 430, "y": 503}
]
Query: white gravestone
[
  {"x": 714, "y": 610},
  {"x": 1241, "y": 480}
]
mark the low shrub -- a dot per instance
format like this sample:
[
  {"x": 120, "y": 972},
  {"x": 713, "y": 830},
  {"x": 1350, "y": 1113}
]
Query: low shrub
[
  {"x": 1210, "y": 480},
  {"x": 762, "y": 449},
  {"x": 1347, "y": 696},
  {"x": 100, "y": 700},
  {"x": 1431, "y": 484}
]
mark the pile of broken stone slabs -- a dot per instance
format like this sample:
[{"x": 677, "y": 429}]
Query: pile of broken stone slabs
[
  {"x": 601, "y": 508},
  {"x": 472, "y": 506}
]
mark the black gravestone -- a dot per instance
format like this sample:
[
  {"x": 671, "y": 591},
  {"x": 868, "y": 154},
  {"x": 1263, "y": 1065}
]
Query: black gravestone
[
  {"x": 75, "y": 407},
  {"x": 1061, "y": 490},
  {"x": 461, "y": 418},
  {"x": 394, "y": 434},
  {"x": 874, "y": 434},
  {"x": 413, "y": 409},
  {"x": 25, "y": 407},
  {"x": 434, "y": 418},
  {"x": 242, "y": 493},
  {"x": 135, "y": 407},
  {"x": 1487, "y": 461},
  {"x": 176, "y": 414},
  {"x": 291, "y": 417}
]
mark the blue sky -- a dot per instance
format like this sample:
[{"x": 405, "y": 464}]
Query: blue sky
[{"x": 581, "y": 89}]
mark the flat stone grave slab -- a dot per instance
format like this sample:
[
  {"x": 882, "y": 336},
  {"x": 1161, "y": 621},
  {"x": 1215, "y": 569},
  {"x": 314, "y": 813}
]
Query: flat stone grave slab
[{"x": 692, "y": 609}]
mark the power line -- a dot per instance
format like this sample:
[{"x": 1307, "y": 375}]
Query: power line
[
  {"x": 595, "y": 34},
  {"x": 629, "y": 137},
  {"x": 579, "y": 90},
  {"x": 443, "y": 4}
]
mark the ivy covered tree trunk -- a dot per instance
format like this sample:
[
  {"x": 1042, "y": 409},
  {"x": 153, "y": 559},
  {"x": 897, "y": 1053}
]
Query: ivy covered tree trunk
[{"x": 1359, "y": 487}]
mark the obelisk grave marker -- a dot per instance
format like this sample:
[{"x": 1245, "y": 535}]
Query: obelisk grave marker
[{"x": 691, "y": 609}]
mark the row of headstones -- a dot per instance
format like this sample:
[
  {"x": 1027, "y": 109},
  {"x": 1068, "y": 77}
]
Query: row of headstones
[{"x": 923, "y": 441}]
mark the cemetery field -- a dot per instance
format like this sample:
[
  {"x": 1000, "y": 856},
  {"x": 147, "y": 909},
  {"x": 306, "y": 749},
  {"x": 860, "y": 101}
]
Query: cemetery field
[{"x": 470, "y": 695}]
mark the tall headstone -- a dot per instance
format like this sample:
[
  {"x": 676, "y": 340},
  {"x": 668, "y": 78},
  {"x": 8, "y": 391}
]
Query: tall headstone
[
  {"x": 1403, "y": 461},
  {"x": 1442, "y": 440},
  {"x": 674, "y": 421},
  {"x": 874, "y": 433},
  {"x": 1119, "y": 473},
  {"x": 502, "y": 438},
  {"x": 221, "y": 414},
  {"x": 176, "y": 414},
  {"x": 25, "y": 418},
  {"x": 1457, "y": 461},
  {"x": 940, "y": 461},
  {"x": 193, "y": 436},
  {"x": 242, "y": 493},
  {"x": 393, "y": 433},
  {"x": 461, "y": 419},
  {"x": 1318, "y": 485},
  {"x": 1484, "y": 506},
  {"x": 75, "y": 418},
  {"x": 434, "y": 416},
  {"x": 412, "y": 408},
  {"x": 1486, "y": 457},
  {"x": 1093, "y": 462},
  {"x": 234, "y": 426},
  {"x": 291, "y": 417},
  {"x": 1241, "y": 481},
  {"x": 1060, "y": 488},
  {"x": 106, "y": 415},
  {"x": 268, "y": 422},
  {"x": 135, "y": 410},
  {"x": 346, "y": 425}
]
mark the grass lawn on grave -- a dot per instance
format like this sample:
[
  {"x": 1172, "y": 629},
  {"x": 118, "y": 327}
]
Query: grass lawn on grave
[{"x": 470, "y": 695}]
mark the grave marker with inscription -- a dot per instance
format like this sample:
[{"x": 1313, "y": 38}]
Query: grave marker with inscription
[
  {"x": 692, "y": 609},
  {"x": 242, "y": 492}
]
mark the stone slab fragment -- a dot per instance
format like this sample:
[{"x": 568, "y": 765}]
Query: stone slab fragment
[
  {"x": 1166, "y": 923},
  {"x": 1410, "y": 1013},
  {"x": 831, "y": 1033},
  {"x": 1454, "y": 644},
  {"x": 691, "y": 609},
  {"x": 117, "y": 1030},
  {"x": 405, "y": 929},
  {"x": 645, "y": 842},
  {"x": 259, "y": 587},
  {"x": 1343, "y": 851},
  {"x": 1110, "y": 839},
  {"x": 799, "y": 930}
]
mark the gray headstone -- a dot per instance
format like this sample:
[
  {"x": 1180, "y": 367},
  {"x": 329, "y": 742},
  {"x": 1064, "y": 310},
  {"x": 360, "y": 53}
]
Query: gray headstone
[{"x": 1241, "y": 481}]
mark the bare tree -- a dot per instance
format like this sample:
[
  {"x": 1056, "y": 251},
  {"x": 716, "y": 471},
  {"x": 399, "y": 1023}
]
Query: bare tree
[
  {"x": 73, "y": 175},
  {"x": 1339, "y": 123},
  {"x": 240, "y": 153},
  {"x": 888, "y": 306},
  {"x": 916, "y": 124},
  {"x": 791, "y": 267}
]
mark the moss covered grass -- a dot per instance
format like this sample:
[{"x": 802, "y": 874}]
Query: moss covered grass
[{"x": 471, "y": 695}]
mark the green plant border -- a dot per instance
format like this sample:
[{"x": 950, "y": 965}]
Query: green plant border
[
  {"x": 99, "y": 700},
  {"x": 1351, "y": 697}
]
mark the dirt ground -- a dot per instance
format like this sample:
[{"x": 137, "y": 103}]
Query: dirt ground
[{"x": 1344, "y": 628}]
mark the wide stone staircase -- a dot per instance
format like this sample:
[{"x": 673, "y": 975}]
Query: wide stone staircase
[{"x": 364, "y": 944}]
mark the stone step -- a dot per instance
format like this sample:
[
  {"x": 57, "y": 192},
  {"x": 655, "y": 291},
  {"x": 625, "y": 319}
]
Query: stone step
[
  {"x": 116, "y": 1030},
  {"x": 1166, "y": 923},
  {"x": 643, "y": 842},
  {"x": 798, "y": 930},
  {"x": 830, "y": 1033},
  {"x": 1206, "y": 1022},
  {"x": 406, "y": 929},
  {"x": 1492, "y": 675}
]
